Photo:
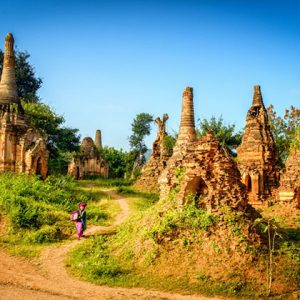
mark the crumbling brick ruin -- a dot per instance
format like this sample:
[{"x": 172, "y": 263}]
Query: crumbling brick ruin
[
  {"x": 201, "y": 171},
  {"x": 22, "y": 148},
  {"x": 257, "y": 155},
  {"x": 289, "y": 190},
  {"x": 148, "y": 180},
  {"x": 88, "y": 162}
]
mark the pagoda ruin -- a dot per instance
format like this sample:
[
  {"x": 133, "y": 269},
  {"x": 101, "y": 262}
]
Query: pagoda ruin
[
  {"x": 89, "y": 162},
  {"x": 201, "y": 171},
  {"x": 148, "y": 181},
  {"x": 22, "y": 148},
  {"x": 289, "y": 190},
  {"x": 257, "y": 154}
]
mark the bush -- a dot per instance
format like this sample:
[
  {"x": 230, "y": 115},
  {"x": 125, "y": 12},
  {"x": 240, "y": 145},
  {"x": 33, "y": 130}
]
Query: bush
[
  {"x": 31, "y": 204},
  {"x": 46, "y": 234}
]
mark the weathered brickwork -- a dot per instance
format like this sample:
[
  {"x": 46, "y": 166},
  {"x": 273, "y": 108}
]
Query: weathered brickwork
[
  {"x": 289, "y": 190},
  {"x": 201, "y": 171},
  {"x": 148, "y": 180},
  {"x": 88, "y": 162},
  {"x": 257, "y": 155},
  {"x": 22, "y": 148}
]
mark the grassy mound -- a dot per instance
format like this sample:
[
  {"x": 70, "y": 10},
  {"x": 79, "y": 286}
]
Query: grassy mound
[
  {"x": 36, "y": 212},
  {"x": 188, "y": 250}
]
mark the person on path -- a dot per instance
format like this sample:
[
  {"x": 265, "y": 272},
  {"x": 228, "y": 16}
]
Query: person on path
[{"x": 81, "y": 221}]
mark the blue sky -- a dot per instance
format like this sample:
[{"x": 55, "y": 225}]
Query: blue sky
[{"x": 102, "y": 62}]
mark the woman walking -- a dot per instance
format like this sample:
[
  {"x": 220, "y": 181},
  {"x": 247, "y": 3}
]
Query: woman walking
[{"x": 81, "y": 220}]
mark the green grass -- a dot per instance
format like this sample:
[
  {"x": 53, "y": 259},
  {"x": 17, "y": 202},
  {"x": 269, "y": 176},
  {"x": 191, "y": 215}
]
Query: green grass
[
  {"x": 110, "y": 182},
  {"x": 158, "y": 246},
  {"x": 138, "y": 201},
  {"x": 102, "y": 210},
  {"x": 36, "y": 213}
]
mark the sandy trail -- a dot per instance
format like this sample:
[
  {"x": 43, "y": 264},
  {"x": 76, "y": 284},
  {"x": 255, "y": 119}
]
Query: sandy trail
[{"x": 48, "y": 277}]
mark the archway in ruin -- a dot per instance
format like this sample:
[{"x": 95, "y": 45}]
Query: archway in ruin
[
  {"x": 77, "y": 173},
  {"x": 39, "y": 165},
  {"x": 196, "y": 191},
  {"x": 248, "y": 183}
]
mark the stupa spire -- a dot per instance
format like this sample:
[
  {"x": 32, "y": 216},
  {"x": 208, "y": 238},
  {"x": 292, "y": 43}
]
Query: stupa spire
[
  {"x": 98, "y": 139},
  {"x": 187, "y": 132},
  {"x": 8, "y": 86},
  {"x": 257, "y": 97}
]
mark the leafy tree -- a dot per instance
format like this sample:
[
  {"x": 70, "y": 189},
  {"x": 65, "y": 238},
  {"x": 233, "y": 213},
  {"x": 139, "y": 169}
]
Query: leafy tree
[
  {"x": 169, "y": 142},
  {"x": 284, "y": 129},
  {"x": 296, "y": 141},
  {"x": 27, "y": 82},
  {"x": 224, "y": 133},
  {"x": 120, "y": 162},
  {"x": 141, "y": 127},
  {"x": 60, "y": 138}
]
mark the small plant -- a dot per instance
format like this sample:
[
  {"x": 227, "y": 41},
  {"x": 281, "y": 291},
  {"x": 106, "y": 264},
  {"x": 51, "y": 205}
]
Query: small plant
[
  {"x": 179, "y": 173},
  {"x": 272, "y": 229}
]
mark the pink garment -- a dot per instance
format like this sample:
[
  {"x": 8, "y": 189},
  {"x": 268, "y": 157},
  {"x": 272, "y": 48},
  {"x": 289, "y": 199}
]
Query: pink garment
[{"x": 79, "y": 229}]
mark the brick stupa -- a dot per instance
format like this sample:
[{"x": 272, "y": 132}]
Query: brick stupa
[
  {"x": 289, "y": 190},
  {"x": 201, "y": 171},
  {"x": 89, "y": 162},
  {"x": 257, "y": 154},
  {"x": 23, "y": 149}
]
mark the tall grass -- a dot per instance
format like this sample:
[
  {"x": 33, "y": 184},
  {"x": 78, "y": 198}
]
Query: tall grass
[{"x": 38, "y": 211}]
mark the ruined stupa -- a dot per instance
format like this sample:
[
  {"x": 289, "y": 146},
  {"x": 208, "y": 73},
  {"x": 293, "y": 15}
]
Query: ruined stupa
[
  {"x": 257, "y": 154},
  {"x": 289, "y": 190},
  {"x": 89, "y": 162},
  {"x": 148, "y": 181},
  {"x": 22, "y": 148},
  {"x": 98, "y": 139},
  {"x": 201, "y": 171}
]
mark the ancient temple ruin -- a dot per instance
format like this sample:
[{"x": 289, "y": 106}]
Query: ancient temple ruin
[
  {"x": 148, "y": 180},
  {"x": 22, "y": 148},
  {"x": 289, "y": 190},
  {"x": 257, "y": 154},
  {"x": 201, "y": 171},
  {"x": 88, "y": 162}
]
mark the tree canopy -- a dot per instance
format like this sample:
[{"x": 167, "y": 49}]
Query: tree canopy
[
  {"x": 120, "y": 162},
  {"x": 59, "y": 138},
  {"x": 284, "y": 129},
  {"x": 225, "y": 133},
  {"x": 141, "y": 127}
]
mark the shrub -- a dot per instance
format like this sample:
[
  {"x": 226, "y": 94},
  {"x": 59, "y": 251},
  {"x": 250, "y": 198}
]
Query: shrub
[{"x": 46, "y": 234}]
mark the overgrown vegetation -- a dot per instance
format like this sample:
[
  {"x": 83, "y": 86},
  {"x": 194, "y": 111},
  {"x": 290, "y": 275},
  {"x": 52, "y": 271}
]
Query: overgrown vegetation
[
  {"x": 188, "y": 249},
  {"x": 37, "y": 212},
  {"x": 284, "y": 129},
  {"x": 138, "y": 201},
  {"x": 225, "y": 133}
]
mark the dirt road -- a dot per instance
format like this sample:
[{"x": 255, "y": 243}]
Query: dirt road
[{"x": 48, "y": 278}]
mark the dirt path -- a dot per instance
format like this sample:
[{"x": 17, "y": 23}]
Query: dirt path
[{"x": 48, "y": 278}]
